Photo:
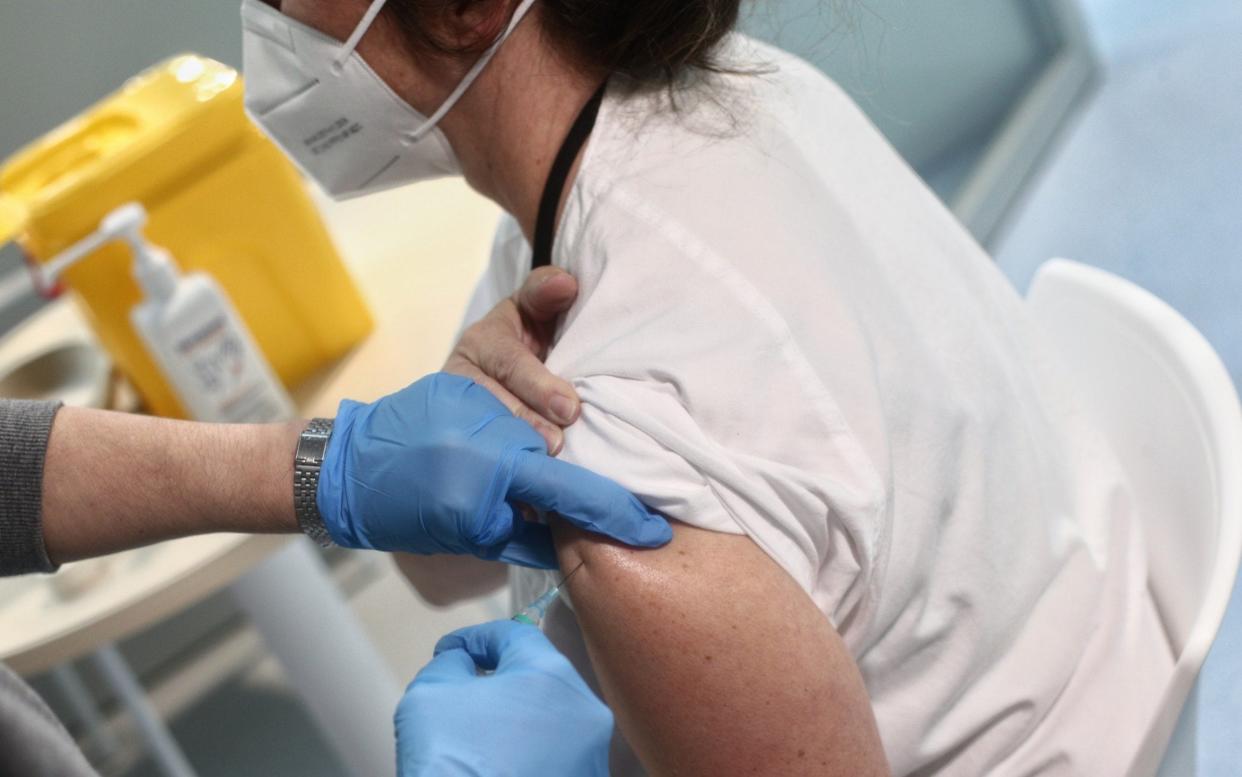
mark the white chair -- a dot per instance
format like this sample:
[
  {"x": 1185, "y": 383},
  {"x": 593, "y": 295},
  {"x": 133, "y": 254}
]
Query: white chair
[{"x": 1166, "y": 403}]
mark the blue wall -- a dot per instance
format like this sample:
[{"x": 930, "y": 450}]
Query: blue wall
[{"x": 1119, "y": 26}]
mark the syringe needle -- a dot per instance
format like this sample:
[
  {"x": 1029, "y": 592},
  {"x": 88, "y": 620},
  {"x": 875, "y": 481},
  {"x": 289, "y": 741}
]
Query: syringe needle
[{"x": 572, "y": 572}]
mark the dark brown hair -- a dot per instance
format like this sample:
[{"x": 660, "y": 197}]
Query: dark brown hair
[{"x": 649, "y": 40}]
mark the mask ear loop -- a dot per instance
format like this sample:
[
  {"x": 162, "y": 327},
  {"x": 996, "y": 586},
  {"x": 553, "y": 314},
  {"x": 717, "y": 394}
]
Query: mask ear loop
[
  {"x": 352, "y": 43},
  {"x": 473, "y": 73}
]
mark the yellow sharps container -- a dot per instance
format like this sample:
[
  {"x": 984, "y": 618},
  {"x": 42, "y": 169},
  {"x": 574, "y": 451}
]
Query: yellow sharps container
[{"x": 221, "y": 198}]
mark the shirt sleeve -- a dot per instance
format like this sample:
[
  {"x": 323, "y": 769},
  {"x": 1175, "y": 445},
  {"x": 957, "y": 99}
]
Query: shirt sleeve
[
  {"x": 24, "y": 431},
  {"x": 697, "y": 398}
]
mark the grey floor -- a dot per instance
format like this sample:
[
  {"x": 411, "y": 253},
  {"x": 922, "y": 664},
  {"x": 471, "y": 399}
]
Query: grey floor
[
  {"x": 1148, "y": 185},
  {"x": 250, "y": 728}
]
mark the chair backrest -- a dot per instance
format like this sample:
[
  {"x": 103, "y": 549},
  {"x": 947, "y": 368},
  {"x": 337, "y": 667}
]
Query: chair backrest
[{"x": 1167, "y": 405}]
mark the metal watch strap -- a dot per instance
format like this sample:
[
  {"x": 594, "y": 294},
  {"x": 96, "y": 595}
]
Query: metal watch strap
[{"x": 307, "y": 461}]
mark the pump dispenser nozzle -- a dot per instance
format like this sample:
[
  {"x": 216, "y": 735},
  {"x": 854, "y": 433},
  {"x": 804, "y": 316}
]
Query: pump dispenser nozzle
[{"x": 153, "y": 267}]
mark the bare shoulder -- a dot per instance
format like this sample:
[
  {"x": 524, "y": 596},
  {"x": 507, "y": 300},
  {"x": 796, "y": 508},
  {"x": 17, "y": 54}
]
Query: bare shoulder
[{"x": 716, "y": 662}]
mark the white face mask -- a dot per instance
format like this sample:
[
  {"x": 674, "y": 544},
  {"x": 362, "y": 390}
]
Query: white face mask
[{"x": 333, "y": 115}]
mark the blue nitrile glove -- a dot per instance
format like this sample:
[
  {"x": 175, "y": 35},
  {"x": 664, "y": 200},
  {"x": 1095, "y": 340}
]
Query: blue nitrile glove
[
  {"x": 532, "y": 717},
  {"x": 440, "y": 466}
]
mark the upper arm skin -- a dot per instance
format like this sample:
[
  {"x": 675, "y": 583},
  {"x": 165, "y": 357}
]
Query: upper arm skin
[{"x": 716, "y": 662}]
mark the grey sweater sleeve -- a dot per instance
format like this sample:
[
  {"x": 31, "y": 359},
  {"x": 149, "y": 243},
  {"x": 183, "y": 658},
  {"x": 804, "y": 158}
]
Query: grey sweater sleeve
[{"x": 24, "y": 430}]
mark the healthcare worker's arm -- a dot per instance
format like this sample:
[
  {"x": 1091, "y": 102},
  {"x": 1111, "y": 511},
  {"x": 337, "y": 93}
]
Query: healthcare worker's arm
[
  {"x": 114, "y": 481},
  {"x": 714, "y": 661},
  {"x": 437, "y": 467}
]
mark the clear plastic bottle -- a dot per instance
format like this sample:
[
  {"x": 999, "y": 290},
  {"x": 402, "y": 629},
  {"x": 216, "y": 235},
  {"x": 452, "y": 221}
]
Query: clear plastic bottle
[
  {"x": 191, "y": 330},
  {"x": 198, "y": 339}
]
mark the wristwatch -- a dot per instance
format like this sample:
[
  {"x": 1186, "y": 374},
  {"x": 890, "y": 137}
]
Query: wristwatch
[{"x": 307, "y": 461}]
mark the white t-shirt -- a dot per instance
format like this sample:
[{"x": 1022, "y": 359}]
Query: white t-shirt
[{"x": 781, "y": 332}]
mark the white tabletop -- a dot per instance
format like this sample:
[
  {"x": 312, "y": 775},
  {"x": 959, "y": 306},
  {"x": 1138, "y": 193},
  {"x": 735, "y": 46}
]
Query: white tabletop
[{"x": 416, "y": 253}]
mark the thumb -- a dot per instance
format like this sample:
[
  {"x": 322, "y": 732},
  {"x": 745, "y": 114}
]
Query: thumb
[
  {"x": 587, "y": 500},
  {"x": 547, "y": 292}
]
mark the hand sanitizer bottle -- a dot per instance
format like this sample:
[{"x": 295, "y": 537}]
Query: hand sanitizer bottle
[
  {"x": 196, "y": 336},
  {"x": 191, "y": 330}
]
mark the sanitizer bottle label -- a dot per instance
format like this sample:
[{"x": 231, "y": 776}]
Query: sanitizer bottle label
[{"x": 230, "y": 381}]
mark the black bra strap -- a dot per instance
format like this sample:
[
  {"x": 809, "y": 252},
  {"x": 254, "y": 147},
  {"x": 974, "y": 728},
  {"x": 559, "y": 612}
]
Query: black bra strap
[{"x": 545, "y": 221}]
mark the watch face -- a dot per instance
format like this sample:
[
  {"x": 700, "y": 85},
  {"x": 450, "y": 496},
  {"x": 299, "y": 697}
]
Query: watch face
[
  {"x": 311, "y": 450},
  {"x": 313, "y": 442}
]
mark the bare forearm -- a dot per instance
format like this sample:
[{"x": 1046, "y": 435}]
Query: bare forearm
[{"x": 114, "y": 481}]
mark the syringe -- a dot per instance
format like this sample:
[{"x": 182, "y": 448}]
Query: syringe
[{"x": 534, "y": 612}]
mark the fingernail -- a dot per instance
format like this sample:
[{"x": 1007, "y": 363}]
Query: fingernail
[
  {"x": 551, "y": 434},
  {"x": 563, "y": 408},
  {"x": 558, "y": 441}
]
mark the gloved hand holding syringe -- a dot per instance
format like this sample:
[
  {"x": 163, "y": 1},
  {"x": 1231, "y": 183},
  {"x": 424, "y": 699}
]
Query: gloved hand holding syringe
[{"x": 460, "y": 708}]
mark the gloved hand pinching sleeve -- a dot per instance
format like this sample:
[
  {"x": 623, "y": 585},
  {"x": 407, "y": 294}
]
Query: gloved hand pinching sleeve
[
  {"x": 532, "y": 715},
  {"x": 442, "y": 466}
]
